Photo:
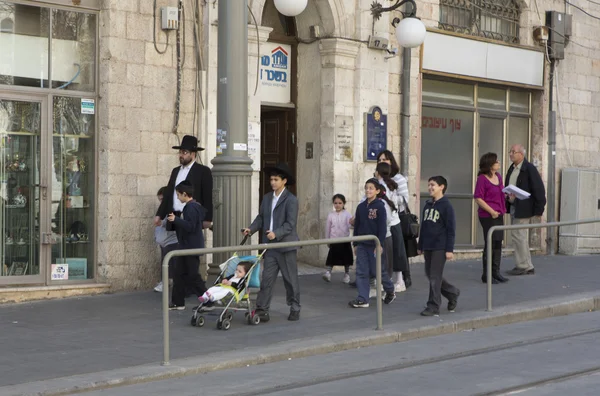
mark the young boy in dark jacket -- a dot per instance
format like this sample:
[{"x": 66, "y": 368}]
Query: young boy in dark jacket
[
  {"x": 189, "y": 234},
  {"x": 436, "y": 241}
]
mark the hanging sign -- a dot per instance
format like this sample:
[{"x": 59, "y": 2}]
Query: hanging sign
[{"x": 275, "y": 72}]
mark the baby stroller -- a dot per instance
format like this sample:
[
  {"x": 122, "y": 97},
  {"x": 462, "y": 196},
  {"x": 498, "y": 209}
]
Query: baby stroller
[{"x": 239, "y": 300}]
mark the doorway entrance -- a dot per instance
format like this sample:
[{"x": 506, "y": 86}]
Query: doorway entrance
[{"x": 277, "y": 142}]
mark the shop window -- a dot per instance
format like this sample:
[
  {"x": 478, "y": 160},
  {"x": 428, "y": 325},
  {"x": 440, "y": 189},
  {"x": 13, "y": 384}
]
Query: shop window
[
  {"x": 461, "y": 122},
  {"x": 24, "y": 43},
  {"x": 73, "y": 186},
  {"x": 493, "y": 19},
  {"x": 74, "y": 50}
]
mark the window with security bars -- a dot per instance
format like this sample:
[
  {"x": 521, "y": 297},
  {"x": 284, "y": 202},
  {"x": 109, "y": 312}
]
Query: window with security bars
[{"x": 493, "y": 19}]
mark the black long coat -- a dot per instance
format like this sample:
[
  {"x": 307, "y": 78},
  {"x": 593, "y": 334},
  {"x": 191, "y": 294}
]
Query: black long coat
[{"x": 201, "y": 178}]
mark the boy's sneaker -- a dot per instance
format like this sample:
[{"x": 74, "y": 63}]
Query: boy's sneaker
[
  {"x": 346, "y": 278},
  {"x": 358, "y": 304},
  {"x": 389, "y": 297},
  {"x": 453, "y": 303},
  {"x": 429, "y": 312},
  {"x": 400, "y": 287},
  {"x": 158, "y": 288},
  {"x": 327, "y": 276},
  {"x": 173, "y": 307}
]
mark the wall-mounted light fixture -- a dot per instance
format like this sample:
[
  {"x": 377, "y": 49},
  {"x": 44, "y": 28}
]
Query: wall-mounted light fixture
[{"x": 410, "y": 31}]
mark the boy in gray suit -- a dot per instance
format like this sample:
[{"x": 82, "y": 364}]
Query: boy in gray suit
[{"x": 277, "y": 219}]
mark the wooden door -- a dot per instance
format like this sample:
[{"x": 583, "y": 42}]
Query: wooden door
[{"x": 278, "y": 143}]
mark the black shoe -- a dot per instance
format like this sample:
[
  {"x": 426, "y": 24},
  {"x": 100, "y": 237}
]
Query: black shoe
[
  {"x": 263, "y": 315},
  {"x": 484, "y": 280},
  {"x": 352, "y": 284},
  {"x": 452, "y": 303},
  {"x": 173, "y": 307},
  {"x": 429, "y": 312},
  {"x": 358, "y": 304},
  {"x": 499, "y": 278},
  {"x": 389, "y": 297},
  {"x": 294, "y": 315}
]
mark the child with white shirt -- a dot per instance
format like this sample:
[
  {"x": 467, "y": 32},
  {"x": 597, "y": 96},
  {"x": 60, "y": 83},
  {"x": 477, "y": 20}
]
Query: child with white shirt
[{"x": 338, "y": 226}]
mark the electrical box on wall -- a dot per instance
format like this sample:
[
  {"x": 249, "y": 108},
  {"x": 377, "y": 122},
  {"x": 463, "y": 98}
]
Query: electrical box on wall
[
  {"x": 170, "y": 18},
  {"x": 560, "y": 25}
]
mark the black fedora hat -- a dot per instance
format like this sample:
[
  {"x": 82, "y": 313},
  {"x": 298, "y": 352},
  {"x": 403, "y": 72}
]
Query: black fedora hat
[
  {"x": 281, "y": 169},
  {"x": 189, "y": 143}
]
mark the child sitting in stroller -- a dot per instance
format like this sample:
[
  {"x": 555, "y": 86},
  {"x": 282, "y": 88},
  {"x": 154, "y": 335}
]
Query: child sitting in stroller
[{"x": 228, "y": 285}]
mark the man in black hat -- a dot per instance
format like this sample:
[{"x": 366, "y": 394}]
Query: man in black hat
[
  {"x": 198, "y": 175},
  {"x": 277, "y": 220}
]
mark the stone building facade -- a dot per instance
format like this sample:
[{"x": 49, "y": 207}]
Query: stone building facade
[{"x": 336, "y": 81}]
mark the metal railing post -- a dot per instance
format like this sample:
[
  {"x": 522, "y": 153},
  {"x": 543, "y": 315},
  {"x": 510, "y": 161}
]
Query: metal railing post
[
  {"x": 264, "y": 246},
  {"x": 519, "y": 227}
]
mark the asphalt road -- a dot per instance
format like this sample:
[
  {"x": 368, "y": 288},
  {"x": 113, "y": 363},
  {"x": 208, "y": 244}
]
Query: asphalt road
[{"x": 554, "y": 356}]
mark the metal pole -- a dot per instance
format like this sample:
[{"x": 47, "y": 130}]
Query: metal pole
[
  {"x": 405, "y": 112},
  {"x": 488, "y": 259},
  {"x": 165, "y": 307},
  {"x": 551, "y": 240},
  {"x": 234, "y": 248},
  {"x": 232, "y": 170},
  {"x": 520, "y": 227},
  {"x": 378, "y": 249}
]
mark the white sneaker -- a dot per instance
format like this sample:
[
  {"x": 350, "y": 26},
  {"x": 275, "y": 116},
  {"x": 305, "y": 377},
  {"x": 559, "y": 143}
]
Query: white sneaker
[
  {"x": 327, "y": 276},
  {"x": 159, "y": 287},
  {"x": 400, "y": 287},
  {"x": 346, "y": 278},
  {"x": 372, "y": 293}
]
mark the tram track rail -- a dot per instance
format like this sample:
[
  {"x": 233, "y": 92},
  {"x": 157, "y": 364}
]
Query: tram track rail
[{"x": 444, "y": 358}]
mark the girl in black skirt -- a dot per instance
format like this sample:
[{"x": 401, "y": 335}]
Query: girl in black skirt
[{"x": 338, "y": 226}]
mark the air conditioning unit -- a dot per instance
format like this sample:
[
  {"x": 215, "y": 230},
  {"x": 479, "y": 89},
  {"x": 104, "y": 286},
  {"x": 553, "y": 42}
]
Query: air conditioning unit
[{"x": 580, "y": 200}]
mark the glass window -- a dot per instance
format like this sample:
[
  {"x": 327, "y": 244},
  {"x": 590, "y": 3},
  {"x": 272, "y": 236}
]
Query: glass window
[
  {"x": 20, "y": 127},
  {"x": 519, "y": 101},
  {"x": 442, "y": 92},
  {"x": 73, "y": 50},
  {"x": 447, "y": 144},
  {"x": 494, "y": 19},
  {"x": 491, "y": 98},
  {"x": 72, "y": 186},
  {"x": 518, "y": 132},
  {"x": 447, "y": 147},
  {"x": 24, "y": 45}
]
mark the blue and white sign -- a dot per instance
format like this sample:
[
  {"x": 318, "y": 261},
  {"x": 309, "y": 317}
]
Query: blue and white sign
[{"x": 275, "y": 69}]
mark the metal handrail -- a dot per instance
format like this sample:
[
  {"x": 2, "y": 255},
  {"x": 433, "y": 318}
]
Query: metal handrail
[
  {"x": 519, "y": 227},
  {"x": 264, "y": 246}
]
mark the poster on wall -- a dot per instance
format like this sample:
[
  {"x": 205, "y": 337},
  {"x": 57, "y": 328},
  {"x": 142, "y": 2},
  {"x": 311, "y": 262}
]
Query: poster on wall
[
  {"x": 376, "y": 133},
  {"x": 254, "y": 144},
  {"x": 344, "y": 138},
  {"x": 275, "y": 73}
]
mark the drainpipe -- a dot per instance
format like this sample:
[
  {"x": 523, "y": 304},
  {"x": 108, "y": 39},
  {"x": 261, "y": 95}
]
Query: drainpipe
[
  {"x": 405, "y": 111},
  {"x": 551, "y": 201}
]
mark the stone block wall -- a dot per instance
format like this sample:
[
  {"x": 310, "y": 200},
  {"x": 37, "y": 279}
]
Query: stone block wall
[{"x": 136, "y": 118}]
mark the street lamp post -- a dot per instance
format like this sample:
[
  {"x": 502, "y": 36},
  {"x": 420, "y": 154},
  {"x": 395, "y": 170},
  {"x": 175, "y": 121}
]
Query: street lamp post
[
  {"x": 410, "y": 33},
  {"x": 232, "y": 168}
]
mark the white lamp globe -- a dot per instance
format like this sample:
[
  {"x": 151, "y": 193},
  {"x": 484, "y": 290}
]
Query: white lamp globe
[
  {"x": 290, "y": 8},
  {"x": 410, "y": 32}
]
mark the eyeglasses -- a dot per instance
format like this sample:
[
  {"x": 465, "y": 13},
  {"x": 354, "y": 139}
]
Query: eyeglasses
[{"x": 514, "y": 152}]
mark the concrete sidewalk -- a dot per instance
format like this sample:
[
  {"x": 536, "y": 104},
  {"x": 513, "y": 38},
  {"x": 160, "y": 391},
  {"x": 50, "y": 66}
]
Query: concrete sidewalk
[{"x": 116, "y": 339}]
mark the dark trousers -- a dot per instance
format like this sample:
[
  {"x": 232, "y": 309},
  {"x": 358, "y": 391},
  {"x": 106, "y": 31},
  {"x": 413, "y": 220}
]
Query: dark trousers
[
  {"x": 435, "y": 260},
  {"x": 273, "y": 263},
  {"x": 185, "y": 276},
  {"x": 366, "y": 269},
  {"x": 163, "y": 252},
  {"x": 486, "y": 224},
  {"x": 400, "y": 261}
]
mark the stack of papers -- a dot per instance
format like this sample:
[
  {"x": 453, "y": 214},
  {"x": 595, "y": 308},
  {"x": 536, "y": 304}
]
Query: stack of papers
[{"x": 512, "y": 189}]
